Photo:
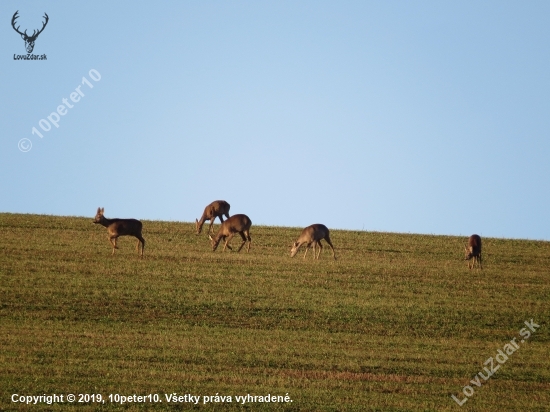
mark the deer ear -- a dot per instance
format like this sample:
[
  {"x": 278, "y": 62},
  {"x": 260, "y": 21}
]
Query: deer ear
[
  {"x": 102, "y": 209},
  {"x": 98, "y": 210}
]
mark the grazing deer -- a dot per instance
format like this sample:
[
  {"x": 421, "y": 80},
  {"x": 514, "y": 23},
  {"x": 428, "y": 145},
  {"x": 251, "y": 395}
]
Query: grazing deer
[
  {"x": 235, "y": 224},
  {"x": 215, "y": 209},
  {"x": 120, "y": 227},
  {"x": 312, "y": 235},
  {"x": 473, "y": 251}
]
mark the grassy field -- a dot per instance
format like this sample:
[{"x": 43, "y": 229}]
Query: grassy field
[{"x": 397, "y": 323}]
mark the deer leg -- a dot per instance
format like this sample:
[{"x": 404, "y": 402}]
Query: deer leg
[
  {"x": 113, "y": 239},
  {"x": 332, "y": 247},
  {"x": 240, "y": 247},
  {"x": 307, "y": 247},
  {"x": 210, "y": 229},
  {"x": 249, "y": 240},
  {"x": 316, "y": 254},
  {"x": 480, "y": 265},
  {"x": 244, "y": 241},
  {"x": 142, "y": 241},
  {"x": 227, "y": 241},
  {"x": 320, "y": 248}
]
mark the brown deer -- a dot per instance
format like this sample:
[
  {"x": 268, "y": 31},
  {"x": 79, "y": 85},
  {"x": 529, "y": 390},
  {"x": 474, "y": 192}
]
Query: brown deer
[
  {"x": 120, "y": 227},
  {"x": 312, "y": 235},
  {"x": 473, "y": 251},
  {"x": 215, "y": 209},
  {"x": 235, "y": 224}
]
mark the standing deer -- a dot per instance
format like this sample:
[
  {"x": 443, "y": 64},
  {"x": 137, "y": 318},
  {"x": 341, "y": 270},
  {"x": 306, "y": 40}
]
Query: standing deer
[
  {"x": 120, "y": 227},
  {"x": 215, "y": 209},
  {"x": 312, "y": 235},
  {"x": 473, "y": 251},
  {"x": 235, "y": 224}
]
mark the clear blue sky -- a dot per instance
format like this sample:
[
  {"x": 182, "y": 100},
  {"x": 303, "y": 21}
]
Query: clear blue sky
[{"x": 401, "y": 116}]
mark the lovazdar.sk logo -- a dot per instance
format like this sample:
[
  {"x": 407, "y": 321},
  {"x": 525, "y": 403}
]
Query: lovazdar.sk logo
[{"x": 29, "y": 40}]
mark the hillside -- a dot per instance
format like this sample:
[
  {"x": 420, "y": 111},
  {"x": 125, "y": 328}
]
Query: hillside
[{"x": 396, "y": 323}]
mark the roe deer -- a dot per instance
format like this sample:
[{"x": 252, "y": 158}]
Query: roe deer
[
  {"x": 215, "y": 209},
  {"x": 235, "y": 224},
  {"x": 312, "y": 235},
  {"x": 473, "y": 251},
  {"x": 120, "y": 227}
]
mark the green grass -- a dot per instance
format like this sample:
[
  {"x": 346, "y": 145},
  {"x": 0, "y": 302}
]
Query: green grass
[{"x": 397, "y": 323}]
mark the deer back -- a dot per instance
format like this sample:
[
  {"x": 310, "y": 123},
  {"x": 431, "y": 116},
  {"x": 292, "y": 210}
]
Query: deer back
[
  {"x": 313, "y": 233},
  {"x": 124, "y": 227},
  {"x": 215, "y": 209},
  {"x": 474, "y": 245},
  {"x": 222, "y": 207},
  {"x": 119, "y": 227},
  {"x": 235, "y": 224}
]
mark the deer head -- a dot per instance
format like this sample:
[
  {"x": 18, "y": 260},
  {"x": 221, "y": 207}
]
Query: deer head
[
  {"x": 467, "y": 253},
  {"x": 294, "y": 250},
  {"x": 99, "y": 215},
  {"x": 29, "y": 40}
]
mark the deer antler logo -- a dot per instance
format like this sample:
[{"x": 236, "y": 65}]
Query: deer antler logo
[{"x": 29, "y": 40}]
